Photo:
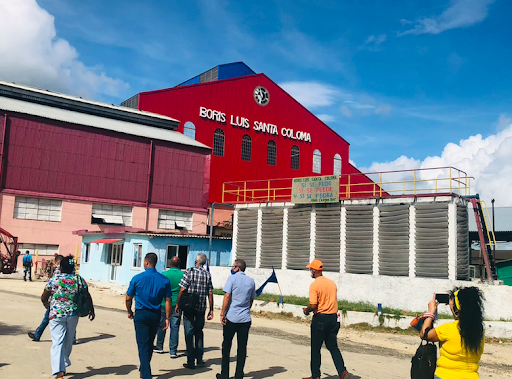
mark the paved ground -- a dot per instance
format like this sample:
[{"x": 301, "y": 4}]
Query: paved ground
[{"x": 277, "y": 349}]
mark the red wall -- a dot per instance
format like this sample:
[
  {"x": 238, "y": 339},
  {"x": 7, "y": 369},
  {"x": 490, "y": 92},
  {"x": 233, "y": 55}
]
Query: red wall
[
  {"x": 46, "y": 157},
  {"x": 235, "y": 97}
]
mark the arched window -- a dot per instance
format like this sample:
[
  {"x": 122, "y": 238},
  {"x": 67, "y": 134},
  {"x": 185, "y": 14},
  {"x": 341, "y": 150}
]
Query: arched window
[
  {"x": 294, "y": 162},
  {"x": 246, "y": 148},
  {"x": 317, "y": 162},
  {"x": 337, "y": 164},
  {"x": 189, "y": 130},
  {"x": 218, "y": 143},
  {"x": 271, "y": 153}
]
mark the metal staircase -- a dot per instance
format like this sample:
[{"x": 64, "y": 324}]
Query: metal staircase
[{"x": 485, "y": 234}]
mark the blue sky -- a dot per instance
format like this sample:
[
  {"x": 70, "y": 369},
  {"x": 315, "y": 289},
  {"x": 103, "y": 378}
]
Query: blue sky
[{"x": 393, "y": 78}]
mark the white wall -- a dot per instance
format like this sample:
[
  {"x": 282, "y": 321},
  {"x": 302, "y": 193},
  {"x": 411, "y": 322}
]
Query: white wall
[{"x": 412, "y": 294}]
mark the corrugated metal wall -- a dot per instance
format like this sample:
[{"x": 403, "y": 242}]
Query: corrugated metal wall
[
  {"x": 432, "y": 240},
  {"x": 327, "y": 236},
  {"x": 299, "y": 237},
  {"x": 51, "y": 157},
  {"x": 463, "y": 250},
  {"x": 359, "y": 240},
  {"x": 247, "y": 235},
  {"x": 271, "y": 238},
  {"x": 394, "y": 240}
]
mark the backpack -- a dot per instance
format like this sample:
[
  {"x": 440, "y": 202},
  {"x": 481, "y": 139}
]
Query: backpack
[
  {"x": 188, "y": 301},
  {"x": 423, "y": 364}
]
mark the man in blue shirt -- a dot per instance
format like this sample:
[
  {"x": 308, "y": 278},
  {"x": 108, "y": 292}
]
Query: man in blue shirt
[
  {"x": 27, "y": 266},
  {"x": 149, "y": 289},
  {"x": 239, "y": 294}
]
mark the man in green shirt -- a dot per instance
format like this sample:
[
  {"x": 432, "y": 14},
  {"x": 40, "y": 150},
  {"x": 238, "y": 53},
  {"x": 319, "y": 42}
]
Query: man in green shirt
[{"x": 174, "y": 275}]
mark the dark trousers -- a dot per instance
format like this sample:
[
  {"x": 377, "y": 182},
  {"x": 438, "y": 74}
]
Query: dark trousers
[
  {"x": 242, "y": 335},
  {"x": 27, "y": 269},
  {"x": 324, "y": 328},
  {"x": 146, "y": 324},
  {"x": 193, "y": 325}
]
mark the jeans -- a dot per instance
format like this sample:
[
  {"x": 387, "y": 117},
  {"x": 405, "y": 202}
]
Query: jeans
[
  {"x": 25, "y": 270},
  {"x": 242, "y": 335},
  {"x": 40, "y": 330},
  {"x": 146, "y": 324},
  {"x": 193, "y": 325},
  {"x": 62, "y": 330},
  {"x": 174, "y": 322},
  {"x": 325, "y": 327}
]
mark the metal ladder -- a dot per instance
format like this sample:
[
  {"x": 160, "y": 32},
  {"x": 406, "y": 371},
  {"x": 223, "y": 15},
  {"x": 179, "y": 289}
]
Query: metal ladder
[{"x": 485, "y": 234}]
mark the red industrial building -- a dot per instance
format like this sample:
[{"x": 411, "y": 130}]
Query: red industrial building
[
  {"x": 256, "y": 129},
  {"x": 69, "y": 164}
]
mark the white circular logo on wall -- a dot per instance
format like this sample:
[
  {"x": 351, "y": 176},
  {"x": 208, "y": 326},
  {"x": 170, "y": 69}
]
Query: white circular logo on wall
[{"x": 261, "y": 95}]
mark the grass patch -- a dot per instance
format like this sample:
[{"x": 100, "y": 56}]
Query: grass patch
[
  {"x": 343, "y": 305},
  {"x": 363, "y": 326}
]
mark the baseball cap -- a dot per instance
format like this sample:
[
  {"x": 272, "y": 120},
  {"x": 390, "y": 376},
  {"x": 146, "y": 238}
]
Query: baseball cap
[{"x": 316, "y": 265}]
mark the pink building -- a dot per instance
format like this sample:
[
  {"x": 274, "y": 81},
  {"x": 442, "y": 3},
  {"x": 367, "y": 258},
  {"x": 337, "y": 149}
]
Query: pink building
[{"x": 69, "y": 164}]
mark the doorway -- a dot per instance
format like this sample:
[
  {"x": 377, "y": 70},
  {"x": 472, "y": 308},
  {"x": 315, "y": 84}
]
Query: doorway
[
  {"x": 177, "y": 250},
  {"x": 114, "y": 259}
]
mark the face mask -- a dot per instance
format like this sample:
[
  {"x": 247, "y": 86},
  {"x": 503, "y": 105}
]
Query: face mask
[
  {"x": 312, "y": 273},
  {"x": 233, "y": 272}
]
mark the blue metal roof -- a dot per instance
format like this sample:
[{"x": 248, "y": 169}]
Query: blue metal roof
[{"x": 222, "y": 71}]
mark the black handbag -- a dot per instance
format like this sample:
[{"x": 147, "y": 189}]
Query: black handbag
[
  {"x": 423, "y": 364},
  {"x": 188, "y": 301},
  {"x": 82, "y": 304}
]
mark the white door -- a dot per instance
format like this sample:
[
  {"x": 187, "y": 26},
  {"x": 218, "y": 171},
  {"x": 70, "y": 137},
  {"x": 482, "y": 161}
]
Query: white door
[{"x": 116, "y": 260}]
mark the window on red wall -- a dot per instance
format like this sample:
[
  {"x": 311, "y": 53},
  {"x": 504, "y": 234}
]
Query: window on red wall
[
  {"x": 189, "y": 130},
  {"x": 246, "y": 148},
  {"x": 317, "y": 162},
  {"x": 295, "y": 156},
  {"x": 337, "y": 165},
  {"x": 218, "y": 143},
  {"x": 271, "y": 153}
]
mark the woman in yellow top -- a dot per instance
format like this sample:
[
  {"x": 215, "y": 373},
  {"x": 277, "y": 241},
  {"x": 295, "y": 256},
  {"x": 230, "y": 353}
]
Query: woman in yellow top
[{"x": 461, "y": 343}]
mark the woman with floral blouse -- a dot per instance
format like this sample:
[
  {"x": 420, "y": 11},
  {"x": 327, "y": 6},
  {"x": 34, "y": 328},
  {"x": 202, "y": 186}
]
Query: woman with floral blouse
[{"x": 59, "y": 297}]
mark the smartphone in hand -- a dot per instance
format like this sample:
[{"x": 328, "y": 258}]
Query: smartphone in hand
[{"x": 443, "y": 298}]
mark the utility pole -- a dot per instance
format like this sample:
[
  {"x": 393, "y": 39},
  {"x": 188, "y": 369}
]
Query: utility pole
[{"x": 493, "y": 233}]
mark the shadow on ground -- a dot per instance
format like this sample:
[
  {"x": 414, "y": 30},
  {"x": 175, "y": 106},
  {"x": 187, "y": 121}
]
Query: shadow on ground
[
  {"x": 351, "y": 376},
  {"x": 119, "y": 370},
  {"x": 101, "y": 336},
  {"x": 12, "y": 330}
]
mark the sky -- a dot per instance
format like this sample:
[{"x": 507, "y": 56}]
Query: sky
[{"x": 409, "y": 84}]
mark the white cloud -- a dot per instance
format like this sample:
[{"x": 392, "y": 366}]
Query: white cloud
[
  {"x": 503, "y": 122},
  {"x": 376, "y": 40},
  {"x": 358, "y": 105},
  {"x": 488, "y": 160},
  {"x": 326, "y": 117},
  {"x": 459, "y": 14},
  {"x": 383, "y": 109},
  {"x": 32, "y": 54},
  {"x": 346, "y": 111},
  {"x": 312, "y": 94}
]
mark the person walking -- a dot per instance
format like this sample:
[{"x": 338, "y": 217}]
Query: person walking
[
  {"x": 62, "y": 290},
  {"x": 149, "y": 289},
  {"x": 36, "y": 336},
  {"x": 323, "y": 302},
  {"x": 27, "y": 266},
  {"x": 239, "y": 294},
  {"x": 174, "y": 275},
  {"x": 462, "y": 341},
  {"x": 196, "y": 281}
]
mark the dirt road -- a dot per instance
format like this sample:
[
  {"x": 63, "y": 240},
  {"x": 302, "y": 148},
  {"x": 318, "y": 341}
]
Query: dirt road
[{"x": 277, "y": 349}]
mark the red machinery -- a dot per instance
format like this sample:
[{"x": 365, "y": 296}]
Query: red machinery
[{"x": 8, "y": 252}]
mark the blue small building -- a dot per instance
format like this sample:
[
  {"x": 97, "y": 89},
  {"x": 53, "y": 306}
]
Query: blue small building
[{"x": 117, "y": 257}]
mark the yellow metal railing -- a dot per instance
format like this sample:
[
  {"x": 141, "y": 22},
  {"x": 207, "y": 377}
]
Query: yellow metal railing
[
  {"x": 420, "y": 182},
  {"x": 490, "y": 231}
]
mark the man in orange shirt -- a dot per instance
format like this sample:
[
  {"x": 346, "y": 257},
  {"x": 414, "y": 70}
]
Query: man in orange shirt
[{"x": 323, "y": 302}]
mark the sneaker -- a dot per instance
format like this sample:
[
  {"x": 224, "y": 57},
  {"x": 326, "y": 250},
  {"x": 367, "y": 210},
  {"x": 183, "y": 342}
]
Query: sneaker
[
  {"x": 157, "y": 350},
  {"x": 345, "y": 375},
  {"x": 33, "y": 336},
  {"x": 200, "y": 363},
  {"x": 186, "y": 365},
  {"x": 174, "y": 356}
]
